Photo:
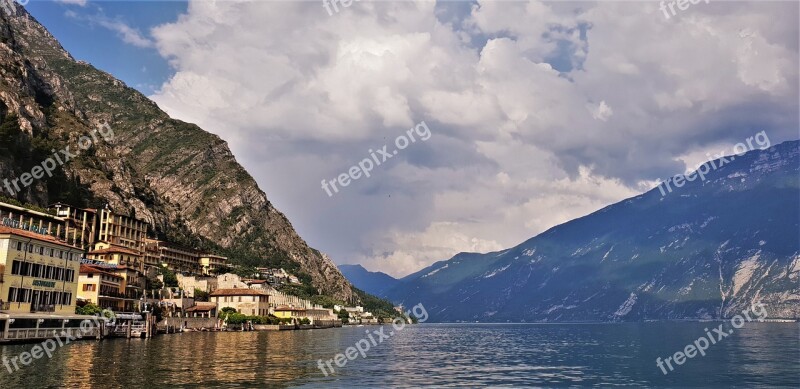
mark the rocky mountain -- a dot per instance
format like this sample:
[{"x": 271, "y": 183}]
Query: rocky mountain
[
  {"x": 705, "y": 250},
  {"x": 182, "y": 180},
  {"x": 376, "y": 283}
]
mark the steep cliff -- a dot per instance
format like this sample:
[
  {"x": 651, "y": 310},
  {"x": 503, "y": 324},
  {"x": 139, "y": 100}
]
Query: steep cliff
[{"x": 182, "y": 180}]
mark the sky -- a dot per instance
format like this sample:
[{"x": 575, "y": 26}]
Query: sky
[{"x": 537, "y": 112}]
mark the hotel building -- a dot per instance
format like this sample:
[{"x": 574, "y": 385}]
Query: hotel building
[
  {"x": 175, "y": 257},
  {"x": 38, "y": 273},
  {"x": 120, "y": 230}
]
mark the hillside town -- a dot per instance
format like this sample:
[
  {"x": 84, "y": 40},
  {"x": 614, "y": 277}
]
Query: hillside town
[{"x": 64, "y": 262}]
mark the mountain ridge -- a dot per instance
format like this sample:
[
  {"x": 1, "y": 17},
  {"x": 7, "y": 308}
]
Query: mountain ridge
[{"x": 692, "y": 274}]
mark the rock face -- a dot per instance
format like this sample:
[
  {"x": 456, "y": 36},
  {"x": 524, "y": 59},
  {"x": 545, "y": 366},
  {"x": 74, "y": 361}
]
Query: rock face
[
  {"x": 706, "y": 250},
  {"x": 182, "y": 180}
]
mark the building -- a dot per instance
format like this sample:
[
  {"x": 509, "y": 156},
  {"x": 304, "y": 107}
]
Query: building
[
  {"x": 202, "y": 309},
  {"x": 191, "y": 283},
  {"x": 287, "y": 312},
  {"x": 177, "y": 258},
  {"x": 101, "y": 288},
  {"x": 181, "y": 259},
  {"x": 38, "y": 273},
  {"x": 210, "y": 263},
  {"x": 79, "y": 225},
  {"x": 121, "y": 230},
  {"x": 128, "y": 282},
  {"x": 252, "y": 302},
  {"x": 117, "y": 255}
]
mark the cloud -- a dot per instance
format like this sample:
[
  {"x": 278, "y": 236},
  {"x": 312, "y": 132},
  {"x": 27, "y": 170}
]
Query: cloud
[
  {"x": 80, "y": 3},
  {"x": 540, "y": 112},
  {"x": 128, "y": 34}
]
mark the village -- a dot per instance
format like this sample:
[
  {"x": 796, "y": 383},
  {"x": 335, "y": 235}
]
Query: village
[{"x": 62, "y": 264}]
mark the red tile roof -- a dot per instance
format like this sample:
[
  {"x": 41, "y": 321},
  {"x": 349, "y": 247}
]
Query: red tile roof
[
  {"x": 29, "y": 234},
  {"x": 86, "y": 269}
]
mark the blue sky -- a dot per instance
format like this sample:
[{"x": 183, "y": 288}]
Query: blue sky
[{"x": 86, "y": 31}]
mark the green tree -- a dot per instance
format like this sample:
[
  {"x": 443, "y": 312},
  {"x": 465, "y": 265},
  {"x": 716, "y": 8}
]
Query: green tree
[
  {"x": 170, "y": 280},
  {"x": 200, "y": 295},
  {"x": 88, "y": 309}
]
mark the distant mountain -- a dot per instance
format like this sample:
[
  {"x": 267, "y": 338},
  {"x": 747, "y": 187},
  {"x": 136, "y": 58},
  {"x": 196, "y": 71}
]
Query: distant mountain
[
  {"x": 376, "y": 283},
  {"x": 182, "y": 180},
  {"x": 704, "y": 251}
]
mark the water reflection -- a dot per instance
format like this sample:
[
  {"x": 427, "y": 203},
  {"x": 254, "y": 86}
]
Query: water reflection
[{"x": 438, "y": 355}]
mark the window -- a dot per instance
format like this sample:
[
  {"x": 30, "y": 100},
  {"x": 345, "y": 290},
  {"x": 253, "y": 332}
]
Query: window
[
  {"x": 19, "y": 246},
  {"x": 29, "y": 247},
  {"x": 89, "y": 288},
  {"x": 52, "y": 253},
  {"x": 16, "y": 267}
]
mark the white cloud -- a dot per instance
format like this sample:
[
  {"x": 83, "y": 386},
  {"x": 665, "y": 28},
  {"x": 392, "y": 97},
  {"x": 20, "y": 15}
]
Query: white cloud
[
  {"x": 81, "y": 3},
  {"x": 128, "y": 34},
  {"x": 301, "y": 96}
]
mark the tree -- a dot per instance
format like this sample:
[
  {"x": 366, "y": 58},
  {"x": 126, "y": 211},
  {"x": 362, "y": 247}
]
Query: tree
[
  {"x": 88, "y": 309},
  {"x": 200, "y": 295},
  {"x": 154, "y": 284},
  {"x": 170, "y": 280},
  {"x": 226, "y": 312}
]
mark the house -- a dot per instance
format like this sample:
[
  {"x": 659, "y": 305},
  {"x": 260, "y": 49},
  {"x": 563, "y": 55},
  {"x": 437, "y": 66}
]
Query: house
[{"x": 252, "y": 302}]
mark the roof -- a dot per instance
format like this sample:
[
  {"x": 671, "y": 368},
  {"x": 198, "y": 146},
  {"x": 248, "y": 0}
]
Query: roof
[
  {"x": 86, "y": 269},
  {"x": 288, "y": 308},
  {"x": 202, "y": 306},
  {"x": 254, "y": 281},
  {"x": 238, "y": 292},
  {"x": 114, "y": 249},
  {"x": 33, "y": 235}
]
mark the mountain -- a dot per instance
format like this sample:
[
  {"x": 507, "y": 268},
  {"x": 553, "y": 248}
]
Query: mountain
[
  {"x": 706, "y": 250},
  {"x": 376, "y": 283},
  {"x": 182, "y": 180}
]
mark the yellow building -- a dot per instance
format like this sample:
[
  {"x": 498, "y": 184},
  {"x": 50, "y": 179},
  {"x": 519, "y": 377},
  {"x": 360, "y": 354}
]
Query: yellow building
[
  {"x": 117, "y": 255},
  {"x": 251, "y": 302},
  {"x": 286, "y": 312},
  {"x": 38, "y": 273},
  {"x": 102, "y": 288}
]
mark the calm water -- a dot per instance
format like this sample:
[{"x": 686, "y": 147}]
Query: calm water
[{"x": 468, "y": 355}]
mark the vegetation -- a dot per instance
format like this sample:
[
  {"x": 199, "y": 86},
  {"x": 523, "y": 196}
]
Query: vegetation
[
  {"x": 232, "y": 317},
  {"x": 381, "y": 308},
  {"x": 88, "y": 309},
  {"x": 200, "y": 295},
  {"x": 170, "y": 280}
]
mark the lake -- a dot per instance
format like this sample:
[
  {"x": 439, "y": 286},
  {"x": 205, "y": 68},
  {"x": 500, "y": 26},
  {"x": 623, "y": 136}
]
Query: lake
[{"x": 442, "y": 355}]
